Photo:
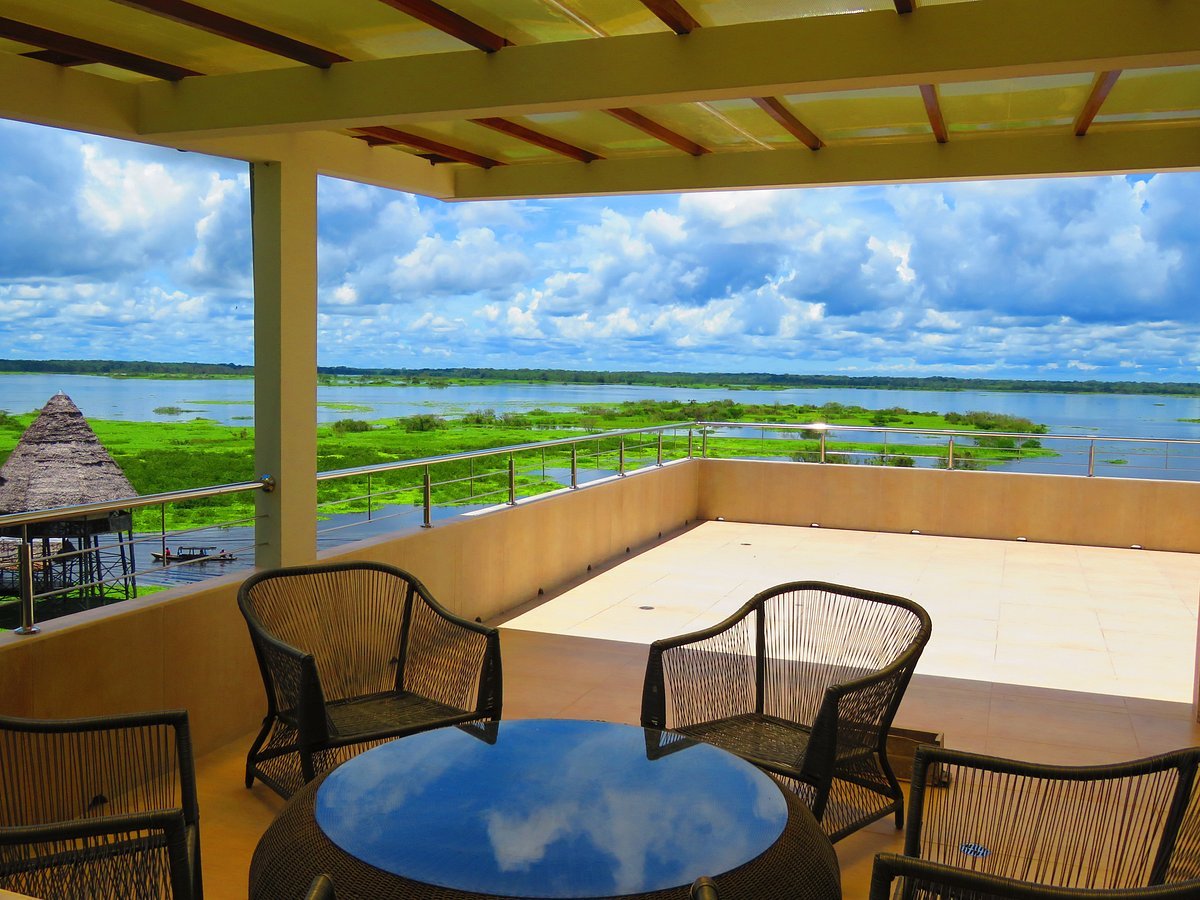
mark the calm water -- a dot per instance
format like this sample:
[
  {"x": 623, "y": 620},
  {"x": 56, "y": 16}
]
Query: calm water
[{"x": 231, "y": 402}]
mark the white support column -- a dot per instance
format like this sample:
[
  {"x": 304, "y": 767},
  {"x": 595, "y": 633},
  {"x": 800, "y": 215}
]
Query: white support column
[{"x": 284, "y": 202}]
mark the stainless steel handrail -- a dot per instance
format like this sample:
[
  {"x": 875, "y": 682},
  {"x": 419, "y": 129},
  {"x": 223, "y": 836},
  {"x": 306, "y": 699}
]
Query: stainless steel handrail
[
  {"x": 494, "y": 451},
  {"x": 649, "y": 446},
  {"x": 59, "y": 513},
  {"x": 944, "y": 432}
]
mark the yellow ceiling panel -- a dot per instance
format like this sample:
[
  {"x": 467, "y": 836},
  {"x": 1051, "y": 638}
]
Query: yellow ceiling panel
[
  {"x": 484, "y": 141},
  {"x": 1016, "y": 103},
  {"x": 598, "y": 132},
  {"x": 135, "y": 31},
  {"x": 715, "y": 125},
  {"x": 544, "y": 21},
  {"x": 1153, "y": 95},
  {"x": 734, "y": 12},
  {"x": 874, "y": 115}
]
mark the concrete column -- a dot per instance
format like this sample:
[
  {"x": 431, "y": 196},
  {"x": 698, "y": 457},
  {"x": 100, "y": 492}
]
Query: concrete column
[{"x": 284, "y": 204}]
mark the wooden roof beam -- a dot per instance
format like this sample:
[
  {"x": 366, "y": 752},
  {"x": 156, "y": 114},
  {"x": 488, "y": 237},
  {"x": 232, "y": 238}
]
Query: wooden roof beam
[
  {"x": 945, "y": 44},
  {"x": 654, "y": 129},
  {"x": 381, "y": 134},
  {"x": 1100, "y": 87},
  {"x": 904, "y": 7},
  {"x": 1169, "y": 148},
  {"x": 673, "y": 15},
  {"x": 59, "y": 59},
  {"x": 774, "y": 108},
  {"x": 451, "y": 23},
  {"x": 513, "y": 129},
  {"x": 933, "y": 109},
  {"x": 91, "y": 52},
  {"x": 236, "y": 30}
]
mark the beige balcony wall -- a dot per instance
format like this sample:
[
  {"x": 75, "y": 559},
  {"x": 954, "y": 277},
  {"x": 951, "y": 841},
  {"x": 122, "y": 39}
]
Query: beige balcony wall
[
  {"x": 1103, "y": 512},
  {"x": 189, "y": 647}
]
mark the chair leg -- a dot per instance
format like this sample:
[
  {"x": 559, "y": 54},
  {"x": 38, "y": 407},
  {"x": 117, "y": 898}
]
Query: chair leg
[
  {"x": 897, "y": 793},
  {"x": 255, "y": 747}
]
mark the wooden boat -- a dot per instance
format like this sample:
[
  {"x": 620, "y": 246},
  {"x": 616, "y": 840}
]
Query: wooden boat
[{"x": 190, "y": 554}]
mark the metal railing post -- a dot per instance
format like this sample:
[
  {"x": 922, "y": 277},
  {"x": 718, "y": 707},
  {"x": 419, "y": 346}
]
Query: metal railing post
[
  {"x": 368, "y": 496},
  {"x": 689, "y": 443},
  {"x": 621, "y": 458},
  {"x": 950, "y": 454},
  {"x": 162, "y": 524},
  {"x": 1091, "y": 458},
  {"x": 574, "y": 466},
  {"x": 660, "y": 443},
  {"x": 822, "y": 445},
  {"x": 512, "y": 480},
  {"x": 428, "y": 523},
  {"x": 25, "y": 573},
  {"x": 704, "y": 443}
]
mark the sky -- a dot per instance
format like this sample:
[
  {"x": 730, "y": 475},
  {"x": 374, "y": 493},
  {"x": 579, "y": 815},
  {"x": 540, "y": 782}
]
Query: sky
[{"x": 114, "y": 250}]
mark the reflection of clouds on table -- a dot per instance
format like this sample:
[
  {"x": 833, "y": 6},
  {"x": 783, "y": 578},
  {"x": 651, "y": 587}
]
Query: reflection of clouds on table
[
  {"x": 555, "y": 808},
  {"x": 380, "y": 788}
]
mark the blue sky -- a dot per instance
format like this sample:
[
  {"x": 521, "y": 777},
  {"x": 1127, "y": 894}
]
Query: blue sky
[{"x": 118, "y": 251}]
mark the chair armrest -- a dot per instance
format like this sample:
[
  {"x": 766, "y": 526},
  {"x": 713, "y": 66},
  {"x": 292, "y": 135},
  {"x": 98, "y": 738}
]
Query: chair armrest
[
  {"x": 293, "y": 685},
  {"x": 55, "y": 847},
  {"x": 890, "y": 867},
  {"x": 705, "y": 675},
  {"x": 452, "y": 660}
]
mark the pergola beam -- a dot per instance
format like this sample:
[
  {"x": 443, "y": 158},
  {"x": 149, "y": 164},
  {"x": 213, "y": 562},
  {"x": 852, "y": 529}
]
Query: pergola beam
[
  {"x": 1165, "y": 149},
  {"x": 656, "y": 130},
  {"x": 933, "y": 110},
  {"x": 1104, "y": 83},
  {"x": 233, "y": 29},
  {"x": 674, "y": 16},
  {"x": 775, "y": 108},
  {"x": 445, "y": 20},
  {"x": 71, "y": 46},
  {"x": 947, "y": 43}
]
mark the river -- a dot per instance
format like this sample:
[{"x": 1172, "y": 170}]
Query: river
[{"x": 230, "y": 401}]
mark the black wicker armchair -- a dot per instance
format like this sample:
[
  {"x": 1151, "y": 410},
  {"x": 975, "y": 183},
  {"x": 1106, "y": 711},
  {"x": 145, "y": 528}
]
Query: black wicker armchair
[
  {"x": 981, "y": 827},
  {"x": 356, "y": 653},
  {"x": 99, "y": 808},
  {"x": 803, "y": 681}
]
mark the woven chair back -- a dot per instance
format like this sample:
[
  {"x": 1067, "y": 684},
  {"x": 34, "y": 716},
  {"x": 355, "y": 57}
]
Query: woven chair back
[{"x": 351, "y": 618}]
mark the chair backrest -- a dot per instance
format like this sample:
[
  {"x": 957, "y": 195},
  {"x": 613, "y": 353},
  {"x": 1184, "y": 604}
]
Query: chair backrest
[
  {"x": 814, "y": 636},
  {"x": 99, "y": 807},
  {"x": 895, "y": 876},
  {"x": 59, "y": 770},
  {"x": 351, "y": 617},
  {"x": 1096, "y": 827}
]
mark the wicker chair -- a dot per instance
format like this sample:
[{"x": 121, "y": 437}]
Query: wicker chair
[
  {"x": 982, "y": 827},
  {"x": 352, "y": 654},
  {"x": 99, "y": 808},
  {"x": 803, "y": 681}
]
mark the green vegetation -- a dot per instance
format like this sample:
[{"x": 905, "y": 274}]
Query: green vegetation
[
  {"x": 344, "y": 375},
  {"x": 169, "y": 411},
  {"x": 166, "y": 456},
  {"x": 1187, "y": 420}
]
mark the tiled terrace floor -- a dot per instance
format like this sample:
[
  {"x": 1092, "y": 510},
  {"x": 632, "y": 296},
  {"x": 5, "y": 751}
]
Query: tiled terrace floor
[{"x": 1054, "y": 653}]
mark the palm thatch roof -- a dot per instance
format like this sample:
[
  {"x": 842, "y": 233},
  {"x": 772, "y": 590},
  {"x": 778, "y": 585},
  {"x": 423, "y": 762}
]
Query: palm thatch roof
[{"x": 59, "y": 461}]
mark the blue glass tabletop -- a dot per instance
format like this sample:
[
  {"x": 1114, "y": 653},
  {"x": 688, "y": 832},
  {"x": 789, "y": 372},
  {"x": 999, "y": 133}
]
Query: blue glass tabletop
[{"x": 550, "y": 808}]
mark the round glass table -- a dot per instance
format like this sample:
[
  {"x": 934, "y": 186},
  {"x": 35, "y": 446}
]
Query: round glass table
[{"x": 545, "y": 808}]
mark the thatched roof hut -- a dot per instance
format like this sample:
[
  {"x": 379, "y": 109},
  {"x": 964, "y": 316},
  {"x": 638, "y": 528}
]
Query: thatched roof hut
[{"x": 59, "y": 461}]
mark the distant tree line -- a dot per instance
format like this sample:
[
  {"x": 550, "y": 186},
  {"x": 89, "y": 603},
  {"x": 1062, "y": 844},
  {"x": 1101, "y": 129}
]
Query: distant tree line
[
  {"x": 665, "y": 379},
  {"x": 120, "y": 367}
]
